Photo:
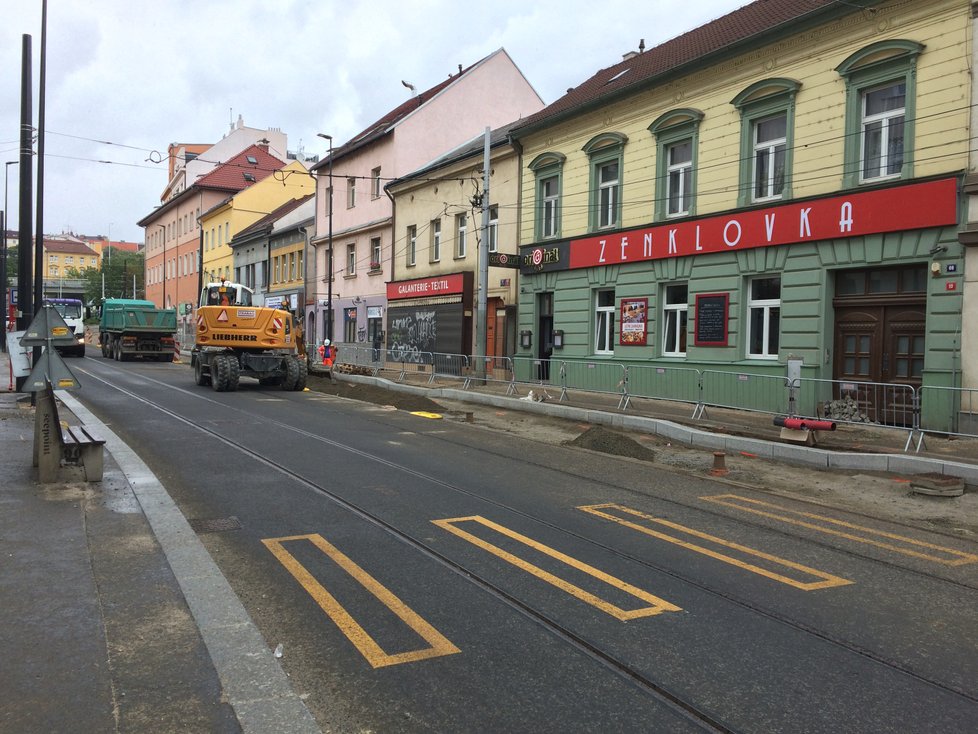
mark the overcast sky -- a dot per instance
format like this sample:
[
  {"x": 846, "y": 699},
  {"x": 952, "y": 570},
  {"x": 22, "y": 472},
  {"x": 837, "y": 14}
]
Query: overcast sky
[{"x": 125, "y": 79}]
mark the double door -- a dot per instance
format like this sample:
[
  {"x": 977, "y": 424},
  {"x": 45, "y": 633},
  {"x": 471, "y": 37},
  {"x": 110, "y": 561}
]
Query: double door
[{"x": 882, "y": 345}]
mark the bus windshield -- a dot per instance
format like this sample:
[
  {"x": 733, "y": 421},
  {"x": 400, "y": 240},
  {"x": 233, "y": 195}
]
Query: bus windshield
[{"x": 68, "y": 308}]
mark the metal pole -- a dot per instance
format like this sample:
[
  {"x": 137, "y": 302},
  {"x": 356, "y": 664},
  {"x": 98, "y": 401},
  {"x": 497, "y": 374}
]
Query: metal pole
[
  {"x": 481, "y": 323},
  {"x": 39, "y": 229},
  {"x": 329, "y": 246},
  {"x": 25, "y": 310}
]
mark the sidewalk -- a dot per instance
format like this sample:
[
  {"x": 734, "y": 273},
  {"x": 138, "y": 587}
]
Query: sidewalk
[{"x": 114, "y": 614}]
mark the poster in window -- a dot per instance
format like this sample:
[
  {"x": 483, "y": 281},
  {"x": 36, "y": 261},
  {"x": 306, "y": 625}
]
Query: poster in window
[
  {"x": 711, "y": 319},
  {"x": 634, "y": 322}
]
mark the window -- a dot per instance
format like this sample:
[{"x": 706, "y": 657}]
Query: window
[
  {"x": 278, "y": 269},
  {"x": 375, "y": 247},
  {"x": 547, "y": 168},
  {"x": 675, "y": 310},
  {"x": 375, "y": 183},
  {"x": 883, "y": 112},
  {"x": 767, "y": 121},
  {"x": 679, "y": 181},
  {"x": 604, "y": 322},
  {"x": 300, "y": 261},
  {"x": 763, "y": 318},
  {"x": 461, "y": 227},
  {"x": 351, "y": 259},
  {"x": 605, "y": 153},
  {"x": 412, "y": 245},
  {"x": 435, "y": 240},
  {"x": 677, "y": 140},
  {"x": 880, "y": 110},
  {"x": 494, "y": 228},
  {"x": 351, "y": 193},
  {"x": 291, "y": 266}
]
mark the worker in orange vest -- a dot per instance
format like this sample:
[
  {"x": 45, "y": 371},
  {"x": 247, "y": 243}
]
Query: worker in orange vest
[{"x": 326, "y": 353}]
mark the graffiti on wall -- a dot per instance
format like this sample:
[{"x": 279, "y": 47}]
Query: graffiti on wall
[{"x": 412, "y": 332}]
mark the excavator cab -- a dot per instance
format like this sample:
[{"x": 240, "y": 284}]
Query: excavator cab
[{"x": 225, "y": 294}]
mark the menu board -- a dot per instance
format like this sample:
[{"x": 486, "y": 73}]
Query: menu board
[{"x": 711, "y": 319}]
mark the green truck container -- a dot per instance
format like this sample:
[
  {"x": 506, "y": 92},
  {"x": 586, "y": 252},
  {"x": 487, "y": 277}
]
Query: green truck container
[{"x": 132, "y": 328}]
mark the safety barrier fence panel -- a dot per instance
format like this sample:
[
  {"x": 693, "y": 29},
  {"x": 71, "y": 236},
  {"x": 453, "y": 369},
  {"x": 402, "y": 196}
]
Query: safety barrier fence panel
[
  {"x": 681, "y": 384},
  {"x": 744, "y": 391},
  {"x": 491, "y": 370},
  {"x": 452, "y": 366},
  {"x": 543, "y": 372},
  {"x": 594, "y": 377},
  {"x": 949, "y": 410},
  {"x": 850, "y": 401}
]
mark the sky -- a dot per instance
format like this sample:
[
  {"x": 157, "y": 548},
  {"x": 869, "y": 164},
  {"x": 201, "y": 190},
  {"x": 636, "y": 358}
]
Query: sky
[{"x": 125, "y": 79}]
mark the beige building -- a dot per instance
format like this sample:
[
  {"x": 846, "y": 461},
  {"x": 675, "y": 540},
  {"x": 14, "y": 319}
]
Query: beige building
[{"x": 438, "y": 221}]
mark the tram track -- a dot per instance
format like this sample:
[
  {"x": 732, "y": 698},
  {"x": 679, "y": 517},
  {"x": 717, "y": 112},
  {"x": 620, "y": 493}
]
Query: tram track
[{"x": 702, "y": 718}]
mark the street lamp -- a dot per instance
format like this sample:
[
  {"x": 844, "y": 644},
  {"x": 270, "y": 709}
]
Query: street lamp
[
  {"x": 329, "y": 246},
  {"x": 3, "y": 261}
]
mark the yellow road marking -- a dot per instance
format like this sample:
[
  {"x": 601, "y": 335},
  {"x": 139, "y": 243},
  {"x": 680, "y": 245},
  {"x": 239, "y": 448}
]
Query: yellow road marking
[
  {"x": 656, "y": 605},
  {"x": 425, "y": 414},
  {"x": 361, "y": 639},
  {"x": 828, "y": 580},
  {"x": 959, "y": 558}
]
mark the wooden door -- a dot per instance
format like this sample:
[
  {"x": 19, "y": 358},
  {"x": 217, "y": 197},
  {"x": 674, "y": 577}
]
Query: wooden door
[{"x": 884, "y": 346}]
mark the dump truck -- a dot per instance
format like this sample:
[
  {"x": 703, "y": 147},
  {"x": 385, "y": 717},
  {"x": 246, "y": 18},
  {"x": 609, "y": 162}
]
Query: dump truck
[
  {"x": 236, "y": 338},
  {"x": 132, "y": 328}
]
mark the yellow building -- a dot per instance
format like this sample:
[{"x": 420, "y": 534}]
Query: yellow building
[
  {"x": 222, "y": 222},
  {"x": 64, "y": 258},
  {"x": 779, "y": 186}
]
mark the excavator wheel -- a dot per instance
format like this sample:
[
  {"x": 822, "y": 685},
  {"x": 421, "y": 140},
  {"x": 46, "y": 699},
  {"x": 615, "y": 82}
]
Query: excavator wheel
[
  {"x": 291, "y": 364},
  {"x": 300, "y": 384},
  {"x": 201, "y": 377},
  {"x": 225, "y": 373}
]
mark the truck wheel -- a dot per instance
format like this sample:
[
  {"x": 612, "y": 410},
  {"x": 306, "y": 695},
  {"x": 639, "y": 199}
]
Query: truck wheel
[
  {"x": 117, "y": 350},
  {"x": 104, "y": 343},
  {"x": 300, "y": 384},
  {"x": 200, "y": 377}
]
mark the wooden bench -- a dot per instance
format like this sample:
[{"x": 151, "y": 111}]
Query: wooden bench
[{"x": 64, "y": 453}]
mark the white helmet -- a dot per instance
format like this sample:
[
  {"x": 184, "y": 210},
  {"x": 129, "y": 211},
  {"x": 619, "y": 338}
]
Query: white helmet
[{"x": 325, "y": 342}]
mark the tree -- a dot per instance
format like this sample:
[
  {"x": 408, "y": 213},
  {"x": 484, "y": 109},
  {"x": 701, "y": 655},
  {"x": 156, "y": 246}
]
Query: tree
[
  {"x": 12, "y": 264},
  {"x": 115, "y": 277}
]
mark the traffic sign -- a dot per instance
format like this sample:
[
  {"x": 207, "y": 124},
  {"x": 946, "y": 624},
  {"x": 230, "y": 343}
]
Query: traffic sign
[{"x": 47, "y": 328}]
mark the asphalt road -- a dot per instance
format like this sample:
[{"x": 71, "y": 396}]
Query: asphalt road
[{"x": 423, "y": 575}]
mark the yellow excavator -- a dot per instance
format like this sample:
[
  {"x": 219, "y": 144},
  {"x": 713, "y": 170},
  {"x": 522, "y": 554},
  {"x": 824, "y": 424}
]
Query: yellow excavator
[{"x": 236, "y": 338}]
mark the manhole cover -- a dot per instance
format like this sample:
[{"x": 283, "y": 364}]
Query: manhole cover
[{"x": 215, "y": 524}]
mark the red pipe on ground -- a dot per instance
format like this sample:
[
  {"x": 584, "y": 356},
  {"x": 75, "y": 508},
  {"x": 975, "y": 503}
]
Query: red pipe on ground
[{"x": 801, "y": 424}]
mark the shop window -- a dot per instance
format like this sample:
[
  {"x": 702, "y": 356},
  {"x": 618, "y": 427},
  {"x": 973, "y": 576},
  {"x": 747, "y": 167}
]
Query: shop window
[
  {"x": 880, "y": 109},
  {"x": 605, "y": 154},
  {"x": 604, "y": 322},
  {"x": 548, "y": 170},
  {"x": 675, "y": 311},
  {"x": 767, "y": 114},
  {"x": 349, "y": 325},
  {"x": 677, "y": 141},
  {"x": 763, "y": 318}
]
